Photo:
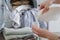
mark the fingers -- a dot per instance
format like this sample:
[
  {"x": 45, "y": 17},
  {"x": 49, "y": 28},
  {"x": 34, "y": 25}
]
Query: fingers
[
  {"x": 45, "y": 7},
  {"x": 45, "y": 10},
  {"x": 42, "y": 6}
]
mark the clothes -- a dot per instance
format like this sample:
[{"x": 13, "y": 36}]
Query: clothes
[
  {"x": 7, "y": 21},
  {"x": 25, "y": 15},
  {"x": 10, "y": 19},
  {"x": 20, "y": 31},
  {"x": 15, "y": 16},
  {"x": 21, "y": 17},
  {"x": 30, "y": 37},
  {"x": 1, "y": 14}
]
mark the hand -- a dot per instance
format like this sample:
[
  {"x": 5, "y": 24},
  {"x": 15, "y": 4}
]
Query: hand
[
  {"x": 45, "y": 6},
  {"x": 44, "y": 33}
]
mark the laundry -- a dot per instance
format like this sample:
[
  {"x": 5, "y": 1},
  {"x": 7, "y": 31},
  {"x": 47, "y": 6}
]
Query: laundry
[
  {"x": 26, "y": 16},
  {"x": 8, "y": 22},
  {"x": 18, "y": 21},
  {"x": 21, "y": 31},
  {"x": 30, "y": 37},
  {"x": 1, "y": 14},
  {"x": 22, "y": 19},
  {"x": 11, "y": 24}
]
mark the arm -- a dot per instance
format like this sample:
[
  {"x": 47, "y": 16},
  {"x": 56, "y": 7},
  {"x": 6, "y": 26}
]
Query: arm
[{"x": 44, "y": 33}]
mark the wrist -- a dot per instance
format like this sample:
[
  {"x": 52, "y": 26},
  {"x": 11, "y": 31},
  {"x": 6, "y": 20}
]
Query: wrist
[{"x": 53, "y": 37}]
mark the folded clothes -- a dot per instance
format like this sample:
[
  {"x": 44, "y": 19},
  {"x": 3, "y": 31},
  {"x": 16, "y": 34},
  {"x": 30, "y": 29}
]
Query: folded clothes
[
  {"x": 17, "y": 36},
  {"x": 21, "y": 31},
  {"x": 30, "y": 37}
]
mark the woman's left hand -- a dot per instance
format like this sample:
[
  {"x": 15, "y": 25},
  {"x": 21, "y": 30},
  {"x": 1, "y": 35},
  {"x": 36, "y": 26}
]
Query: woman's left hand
[{"x": 45, "y": 6}]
